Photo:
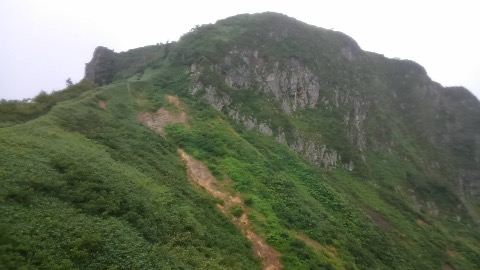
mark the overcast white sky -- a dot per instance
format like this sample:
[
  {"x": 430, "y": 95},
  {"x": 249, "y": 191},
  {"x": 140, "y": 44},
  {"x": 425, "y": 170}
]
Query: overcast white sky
[{"x": 42, "y": 43}]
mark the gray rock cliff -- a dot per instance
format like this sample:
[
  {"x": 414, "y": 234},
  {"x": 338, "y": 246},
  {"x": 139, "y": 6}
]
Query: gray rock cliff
[{"x": 100, "y": 69}]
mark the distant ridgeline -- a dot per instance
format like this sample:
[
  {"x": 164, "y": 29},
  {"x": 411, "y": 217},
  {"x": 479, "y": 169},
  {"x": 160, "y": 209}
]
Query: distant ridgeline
[
  {"x": 257, "y": 142},
  {"x": 107, "y": 66}
]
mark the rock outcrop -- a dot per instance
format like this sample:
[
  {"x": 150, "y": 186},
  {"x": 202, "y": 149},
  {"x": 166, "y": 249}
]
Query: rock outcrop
[
  {"x": 100, "y": 69},
  {"x": 293, "y": 87}
]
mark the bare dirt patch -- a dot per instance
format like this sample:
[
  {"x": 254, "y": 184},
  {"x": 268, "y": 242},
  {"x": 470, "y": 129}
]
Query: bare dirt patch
[
  {"x": 174, "y": 100},
  {"x": 162, "y": 116},
  {"x": 102, "y": 104},
  {"x": 270, "y": 256},
  {"x": 447, "y": 266},
  {"x": 452, "y": 253},
  {"x": 200, "y": 175},
  {"x": 422, "y": 223}
]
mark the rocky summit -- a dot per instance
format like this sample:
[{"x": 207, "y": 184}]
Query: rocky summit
[{"x": 257, "y": 142}]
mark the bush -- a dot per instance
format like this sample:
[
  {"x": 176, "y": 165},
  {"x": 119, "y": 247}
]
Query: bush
[
  {"x": 248, "y": 200},
  {"x": 236, "y": 211}
]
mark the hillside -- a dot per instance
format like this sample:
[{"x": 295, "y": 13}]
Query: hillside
[{"x": 257, "y": 142}]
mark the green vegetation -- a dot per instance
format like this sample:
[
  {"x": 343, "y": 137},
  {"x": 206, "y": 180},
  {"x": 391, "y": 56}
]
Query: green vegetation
[
  {"x": 14, "y": 111},
  {"x": 236, "y": 211},
  {"x": 85, "y": 185},
  {"x": 291, "y": 195}
]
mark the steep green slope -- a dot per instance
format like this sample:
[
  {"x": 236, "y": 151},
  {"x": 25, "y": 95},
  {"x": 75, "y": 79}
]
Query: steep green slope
[
  {"x": 84, "y": 187},
  {"x": 343, "y": 159}
]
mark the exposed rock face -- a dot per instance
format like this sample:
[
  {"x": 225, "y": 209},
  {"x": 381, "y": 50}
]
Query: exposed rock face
[
  {"x": 265, "y": 129},
  {"x": 294, "y": 86},
  {"x": 355, "y": 118},
  {"x": 217, "y": 100},
  {"x": 315, "y": 153},
  {"x": 100, "y": 69},
  {"x": 248, "y": 122},
  {"x": 469, "y": 182},
  {"x": 432, "y": 209}
]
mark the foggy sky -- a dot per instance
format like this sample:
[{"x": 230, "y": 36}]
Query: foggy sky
[{"x": 45, "y": 42}]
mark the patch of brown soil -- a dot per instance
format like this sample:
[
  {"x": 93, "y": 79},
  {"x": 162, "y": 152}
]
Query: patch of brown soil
[
  {"x": 102, "y": 104},
  {"x": 200, "y": 175},
  {"x": 162, "y": 116},
  {"x": 270, "y": 256},
  {"x": 331, "y": 251},
  {"x": 447, "y": 266},
  {"x": 174, "y": 100},
  {"x": 421, "y": 223}
]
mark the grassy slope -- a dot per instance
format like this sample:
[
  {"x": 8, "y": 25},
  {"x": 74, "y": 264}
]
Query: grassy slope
[{"x": 89, "y": 188}]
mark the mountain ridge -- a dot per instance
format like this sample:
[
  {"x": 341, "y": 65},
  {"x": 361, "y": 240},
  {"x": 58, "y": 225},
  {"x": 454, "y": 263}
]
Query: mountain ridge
[{"x": 341, "y": 159}]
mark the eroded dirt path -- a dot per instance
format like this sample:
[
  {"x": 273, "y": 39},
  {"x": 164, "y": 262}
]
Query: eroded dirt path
[{"x": 200, "y": 175}]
